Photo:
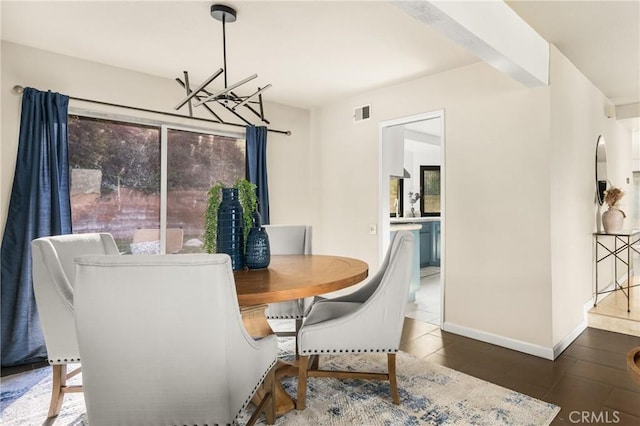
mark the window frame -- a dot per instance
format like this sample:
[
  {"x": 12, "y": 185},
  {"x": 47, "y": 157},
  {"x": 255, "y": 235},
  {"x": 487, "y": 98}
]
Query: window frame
[{"x": 163, "y": 127}]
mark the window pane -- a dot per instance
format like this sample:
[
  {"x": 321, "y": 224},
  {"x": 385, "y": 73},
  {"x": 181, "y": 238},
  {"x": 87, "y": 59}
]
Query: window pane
[
  {"x": 195, "y": 162},
  {"x": 115, "y": 177},
  {"x": 430, "y": 188}
]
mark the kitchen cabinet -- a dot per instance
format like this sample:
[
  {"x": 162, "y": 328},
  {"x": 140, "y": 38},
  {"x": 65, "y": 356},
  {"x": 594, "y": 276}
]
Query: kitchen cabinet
[
  {"x": 430, "y": 244},
  {"x": 435, "y": 245}
]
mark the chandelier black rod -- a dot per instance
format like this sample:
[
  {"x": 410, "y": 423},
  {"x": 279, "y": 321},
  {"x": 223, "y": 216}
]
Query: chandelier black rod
[
  {"x": 224, "y": 48},
  {"x": 197, "y": 97},
  {"x": 248, "y": 98},
  {"x": 188, "y": 89},
  {"x": 225, "y": 90},
  {"x": 261, "y": 113},
  {"x": 199, "y": 88}
]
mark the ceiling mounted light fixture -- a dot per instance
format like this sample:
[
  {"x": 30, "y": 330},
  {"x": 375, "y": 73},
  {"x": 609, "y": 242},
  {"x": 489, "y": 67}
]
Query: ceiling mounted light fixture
[{"x": 226, "y": 97}]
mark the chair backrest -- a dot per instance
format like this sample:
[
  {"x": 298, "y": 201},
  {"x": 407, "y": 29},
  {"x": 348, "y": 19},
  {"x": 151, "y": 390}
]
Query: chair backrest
[
  {"x": 156, "y": 335},
  {"x": 175, "y": 237},
  {"x": 371, "y": 318},
  {"x": 289, "y": 239},
  {"x": 391, "y": 284},
  {"x": 395, "y": 265},
  {"x": 53, "y": 284}
]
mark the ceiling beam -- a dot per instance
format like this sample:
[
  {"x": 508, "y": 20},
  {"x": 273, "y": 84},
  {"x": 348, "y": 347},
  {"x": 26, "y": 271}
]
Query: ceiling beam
[
  {"x": 415, "y": 135},
  {"x": 627, "y": 111},
  {"x": 490, "y": 30}
]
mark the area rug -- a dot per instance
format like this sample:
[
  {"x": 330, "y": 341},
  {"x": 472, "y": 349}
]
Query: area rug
[{"x": 430, "y": 395}]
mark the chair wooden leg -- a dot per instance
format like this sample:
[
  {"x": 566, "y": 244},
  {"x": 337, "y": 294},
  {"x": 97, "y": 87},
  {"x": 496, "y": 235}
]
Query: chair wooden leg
[
  {"x": 302, "y": 382},
  {"x": 314, "y": 362},
  {"x": 59, "y": 381},
  {"x": 391, "y": 364}
]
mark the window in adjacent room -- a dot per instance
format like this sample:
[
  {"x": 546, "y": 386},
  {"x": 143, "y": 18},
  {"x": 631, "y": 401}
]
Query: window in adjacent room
[
  {"x": 396, "y": 195},
  {"x": 430, "y": 190}
]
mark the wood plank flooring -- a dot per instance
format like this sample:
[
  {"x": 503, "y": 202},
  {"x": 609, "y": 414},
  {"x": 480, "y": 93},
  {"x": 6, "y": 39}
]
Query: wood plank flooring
[{"x": 589, "y": 381}]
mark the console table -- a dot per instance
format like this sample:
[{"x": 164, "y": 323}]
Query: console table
[{"x": 624, "y": 242}]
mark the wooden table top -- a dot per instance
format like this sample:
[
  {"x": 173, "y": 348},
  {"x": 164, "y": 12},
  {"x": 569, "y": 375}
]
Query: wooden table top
[{"x": 291, "y": 277}]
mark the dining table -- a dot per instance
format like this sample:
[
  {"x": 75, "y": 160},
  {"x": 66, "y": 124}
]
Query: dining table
[{"x": 291, "y": 277}]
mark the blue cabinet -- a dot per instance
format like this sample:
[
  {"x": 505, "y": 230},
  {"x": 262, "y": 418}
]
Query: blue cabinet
[
  {"x": 430, "y": 244},
  {"x": 435, "y": 245},
  {"x": 425, "y": 244}
]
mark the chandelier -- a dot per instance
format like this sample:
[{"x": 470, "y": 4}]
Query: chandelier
[{"x": 227, "y": 97}]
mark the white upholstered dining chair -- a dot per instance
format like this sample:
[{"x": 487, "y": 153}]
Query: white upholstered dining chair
[
  {"x": 53, "y": 283},
  {"x": 368, "y": 320},
  {"x": 289, "y": 239},
  {"x": 162, "y": 342}
]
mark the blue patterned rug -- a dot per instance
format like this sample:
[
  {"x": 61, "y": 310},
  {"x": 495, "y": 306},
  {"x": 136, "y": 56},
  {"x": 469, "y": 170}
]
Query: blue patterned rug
[{"x": 430, "y": 395}]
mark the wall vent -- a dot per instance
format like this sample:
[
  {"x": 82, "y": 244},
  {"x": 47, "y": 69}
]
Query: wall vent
[{"x": 362, "y": 113}]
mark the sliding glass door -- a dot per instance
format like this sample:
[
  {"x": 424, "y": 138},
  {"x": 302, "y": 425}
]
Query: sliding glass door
[
  {"x": 147, "y": 184},
  {"x": 195, "y": 162}
]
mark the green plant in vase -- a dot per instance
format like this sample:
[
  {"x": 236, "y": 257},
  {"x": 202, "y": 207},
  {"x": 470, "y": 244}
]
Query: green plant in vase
[{"x": 248, "y": 201}]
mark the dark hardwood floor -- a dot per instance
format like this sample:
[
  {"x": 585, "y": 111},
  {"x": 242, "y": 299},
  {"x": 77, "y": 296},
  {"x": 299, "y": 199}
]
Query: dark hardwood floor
[{"x": 589, "y": 380}]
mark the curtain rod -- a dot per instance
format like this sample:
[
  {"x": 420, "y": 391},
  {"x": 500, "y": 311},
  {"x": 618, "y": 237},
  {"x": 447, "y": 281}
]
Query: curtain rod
[{"x": 19, "y": 89}]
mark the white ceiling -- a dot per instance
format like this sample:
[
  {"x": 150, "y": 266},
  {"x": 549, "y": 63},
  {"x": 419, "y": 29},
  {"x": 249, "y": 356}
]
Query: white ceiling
[{"x": 313, "y": 52}]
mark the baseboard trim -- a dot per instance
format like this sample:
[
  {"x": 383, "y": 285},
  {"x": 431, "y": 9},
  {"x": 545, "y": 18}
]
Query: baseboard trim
[
  {"x": 564, "y": 343},
  {"x": 506, "y": 342}
]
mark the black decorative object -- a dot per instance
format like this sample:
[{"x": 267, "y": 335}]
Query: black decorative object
[
  {"x": 258, "y": 249},
  {"x": 230, "y": 239}
]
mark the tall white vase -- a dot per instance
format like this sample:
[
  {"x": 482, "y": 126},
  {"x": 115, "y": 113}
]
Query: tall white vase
[{"x": 612, "y": 220}]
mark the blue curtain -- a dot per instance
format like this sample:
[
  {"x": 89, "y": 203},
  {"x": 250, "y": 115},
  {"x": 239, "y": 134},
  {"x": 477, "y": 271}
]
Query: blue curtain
[
  {"x": 39, "y": 206},
  {"x": 257, "y": 167}
]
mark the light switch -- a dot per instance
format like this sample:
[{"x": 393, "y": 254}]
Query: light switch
[{"x": 373, "y": 229}]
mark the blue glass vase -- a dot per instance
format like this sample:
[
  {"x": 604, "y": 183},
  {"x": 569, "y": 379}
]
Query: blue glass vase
[
  {"x": 230, "y": 238},
  {"x": 258, "y": 254}
]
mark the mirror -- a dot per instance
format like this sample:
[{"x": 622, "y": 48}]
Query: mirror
[{"x": 601, "y": 169}]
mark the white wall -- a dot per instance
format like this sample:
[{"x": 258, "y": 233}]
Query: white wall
[
  {"x": 577, "y": 119},
  {"x": 519, "y": 186},
  {"x": 635, "y": 150},
  {"x": 635, "y": 186},
  {"x": 496, "y": 180},
  {"x": 288, "y": 156}
]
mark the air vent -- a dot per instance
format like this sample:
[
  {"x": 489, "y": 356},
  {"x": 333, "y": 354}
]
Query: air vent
[{"x": 362, "y": 113}]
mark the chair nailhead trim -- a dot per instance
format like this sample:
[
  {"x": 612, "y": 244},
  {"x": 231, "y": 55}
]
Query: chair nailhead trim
[
  {"x": 322, "y": 351},
  {"x": 255, "y": 388},
  {"x": 285, "y": 317},
  {"x": 60, "y": 361}
]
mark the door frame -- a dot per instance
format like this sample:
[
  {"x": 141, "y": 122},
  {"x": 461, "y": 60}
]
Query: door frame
[{"x": 383, "y": 194}]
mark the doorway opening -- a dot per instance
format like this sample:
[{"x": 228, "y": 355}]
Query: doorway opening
[{"x": 412, "y": 197}]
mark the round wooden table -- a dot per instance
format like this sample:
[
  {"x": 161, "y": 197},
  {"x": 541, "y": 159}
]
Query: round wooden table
[{"x": 291, "y": 277}]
